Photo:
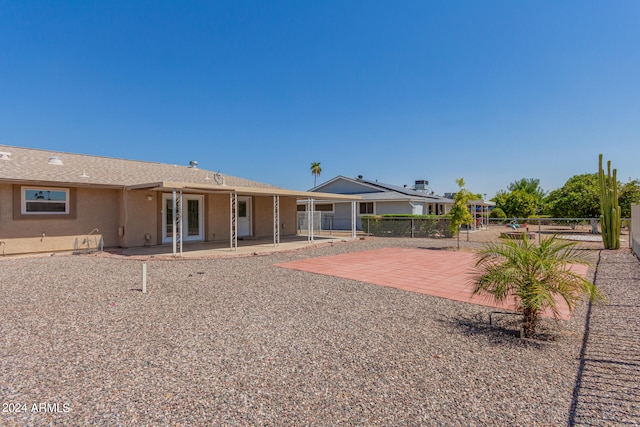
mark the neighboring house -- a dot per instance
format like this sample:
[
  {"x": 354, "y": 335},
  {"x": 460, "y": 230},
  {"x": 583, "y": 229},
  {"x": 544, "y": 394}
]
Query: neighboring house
[
  {"x": 52, "y": 201},
  {"x": 376, "y": 199},
  {"x": 479, "y": 209}
]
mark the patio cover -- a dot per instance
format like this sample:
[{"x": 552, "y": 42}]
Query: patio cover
[{"x": 177, "y": 188}]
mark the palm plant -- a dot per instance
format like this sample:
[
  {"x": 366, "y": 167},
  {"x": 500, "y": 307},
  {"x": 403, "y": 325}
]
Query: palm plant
[
  {"x": 533, "y": 276},
  {"x": 315, "y": 170}
]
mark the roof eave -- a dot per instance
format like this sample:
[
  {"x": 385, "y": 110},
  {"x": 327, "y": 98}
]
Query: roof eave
[{"x": 255, "y": 191}]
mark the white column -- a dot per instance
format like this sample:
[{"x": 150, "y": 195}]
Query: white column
[
  {"x": 312, "y": 203},
  {"x": 233, "y": 221},
  {"x": 276, "y": 220},
  {"x": 181, "y": 211},
  {"x": 353, "y": 219},
  {"x": 308, "y": 213},
  {"x": 173, "y": 222}
]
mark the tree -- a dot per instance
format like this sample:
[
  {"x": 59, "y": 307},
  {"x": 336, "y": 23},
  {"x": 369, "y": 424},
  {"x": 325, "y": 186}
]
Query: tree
[
  {"x": 629, "y": 195},
  {"x": 579, "y": 197},
  {"x": 523, "y": 198},
  {"x": 500, "y": 199},
  {"x": 533, "y": 275},
  {"x": 519, "y": 204},
  {"x": 315, "y": 170},
  {"x": 460, "y": 211},
  {"x": 529, "y": 186},
  {"x": 498, "y": 213}
]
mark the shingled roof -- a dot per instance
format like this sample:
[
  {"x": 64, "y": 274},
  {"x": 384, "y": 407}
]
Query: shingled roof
[
  {"x": 35, "y": 165},
  {"x": 386, "y": 192}
]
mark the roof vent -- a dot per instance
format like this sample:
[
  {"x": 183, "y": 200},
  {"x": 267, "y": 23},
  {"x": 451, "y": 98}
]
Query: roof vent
[
  {"x": 5, "y": 156},
  {"x": 359, "y": 176},
  {"x": 193, "y": 164},
  {"x": 55, "y": 160},
  {"x": 84, "y": 174}
]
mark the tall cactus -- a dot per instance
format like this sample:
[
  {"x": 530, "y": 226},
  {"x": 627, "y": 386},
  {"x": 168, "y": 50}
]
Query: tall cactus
[{"x": 609, "y": 208}]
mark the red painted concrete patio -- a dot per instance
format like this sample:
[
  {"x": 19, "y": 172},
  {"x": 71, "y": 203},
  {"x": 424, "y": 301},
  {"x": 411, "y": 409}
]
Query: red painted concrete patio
[{"x": 439, "y": 273}]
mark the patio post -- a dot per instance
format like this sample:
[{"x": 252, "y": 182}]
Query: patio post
[
  {"x": 179, "y": 236},
  {"x": 173, "y": 222},
  {"x": 233, "y": 221},
  {"x": 311, "y": 225},
  {"x": 276, "y": 220},
  {"x": 353, "y": 219}
]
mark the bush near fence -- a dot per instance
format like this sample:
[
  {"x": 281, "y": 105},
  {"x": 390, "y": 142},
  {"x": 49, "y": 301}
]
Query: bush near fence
[
  {"x": 539, "y": 219},
  {"x": 397, "y": 225}
]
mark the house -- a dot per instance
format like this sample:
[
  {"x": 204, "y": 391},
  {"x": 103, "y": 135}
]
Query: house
[
  {"x": 376, "y": 199},
  {"x": 480, "y": 210},
  {"x": 52, "y": 201}
]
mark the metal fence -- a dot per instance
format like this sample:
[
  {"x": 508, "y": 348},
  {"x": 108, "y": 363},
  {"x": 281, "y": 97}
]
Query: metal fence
[
  {"x": 324, "y": 222},
  {"x": 406, "y": 227},
  {"x": 304, "y": 218},
  {"x": 585, "y": 229}
]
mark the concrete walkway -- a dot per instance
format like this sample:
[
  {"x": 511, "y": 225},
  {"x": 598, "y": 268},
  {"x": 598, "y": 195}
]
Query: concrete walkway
[{"x": 221, "y": 249}]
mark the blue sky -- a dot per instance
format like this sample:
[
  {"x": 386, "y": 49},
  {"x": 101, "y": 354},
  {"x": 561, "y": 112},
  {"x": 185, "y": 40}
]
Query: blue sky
[{"x": 492, "y": 91}]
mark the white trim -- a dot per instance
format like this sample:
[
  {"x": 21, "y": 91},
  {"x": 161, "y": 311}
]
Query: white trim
[
  {"x": 185, "y": 230},
  {"x": 344, "y": 178},
  {"x": 249, "y": 212},
  {"x": 372, "y": 213},
  {"x": 23, "y": 200},
  {"x": 316, "y": 203}
]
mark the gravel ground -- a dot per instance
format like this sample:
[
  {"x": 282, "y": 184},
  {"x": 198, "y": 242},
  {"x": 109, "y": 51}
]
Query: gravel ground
[
  {"x": 238, "y": 341},
  {"x": 607, "y": 390}
]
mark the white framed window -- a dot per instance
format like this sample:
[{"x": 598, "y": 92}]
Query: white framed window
[
  {"x": 366, "y": 208},
  {"x": 44, "y": 201}
]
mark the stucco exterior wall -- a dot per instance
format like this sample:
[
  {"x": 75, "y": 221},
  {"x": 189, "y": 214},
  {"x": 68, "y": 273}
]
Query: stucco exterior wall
[
  {"x": 123, "y": 218},
  {"x": 385, "y": 208},
  {"x": 288, "y": 216},
  {"x": 6, "y": 207},
  {"x": 217, "y": 217},
  {"x": 141, "y": 218},
  {"x": 263, "y": 216},
  {"x": 94, "y": 209}
]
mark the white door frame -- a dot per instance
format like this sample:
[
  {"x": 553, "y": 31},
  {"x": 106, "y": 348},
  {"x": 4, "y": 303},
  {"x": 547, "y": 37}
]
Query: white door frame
[
  {"x": 168, "y": 197},
  {"x": 242, "y": 232}
]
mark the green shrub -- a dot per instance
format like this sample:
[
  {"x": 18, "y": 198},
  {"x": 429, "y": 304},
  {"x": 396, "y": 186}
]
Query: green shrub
[
  {"x": 498, "y": 213},
  {"x": 542, "y": 219},
  {"x": 399, "y": 225}
]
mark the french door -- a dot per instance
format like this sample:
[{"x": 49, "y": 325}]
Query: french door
[{"x": 192, "y": 218}]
